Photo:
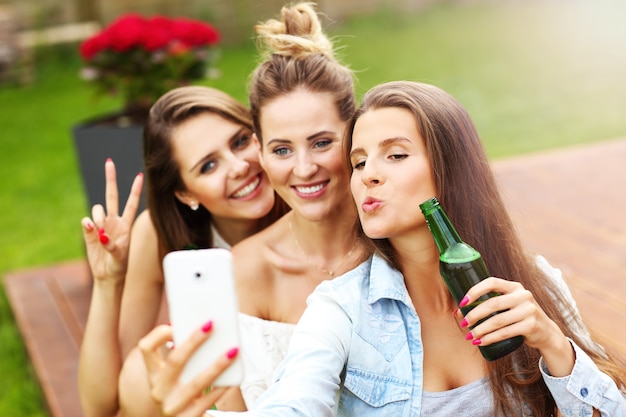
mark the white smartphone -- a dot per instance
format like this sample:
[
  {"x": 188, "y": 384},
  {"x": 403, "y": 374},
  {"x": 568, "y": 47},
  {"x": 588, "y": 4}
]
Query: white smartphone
[{"x": 200, "y": 287}]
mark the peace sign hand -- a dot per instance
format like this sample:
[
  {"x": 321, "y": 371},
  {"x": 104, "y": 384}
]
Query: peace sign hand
[{"x": 107, "y": 236}]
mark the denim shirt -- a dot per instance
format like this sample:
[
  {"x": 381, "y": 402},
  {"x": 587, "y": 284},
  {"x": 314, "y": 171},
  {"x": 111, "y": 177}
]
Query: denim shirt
[{"x": 357, "y": 351}]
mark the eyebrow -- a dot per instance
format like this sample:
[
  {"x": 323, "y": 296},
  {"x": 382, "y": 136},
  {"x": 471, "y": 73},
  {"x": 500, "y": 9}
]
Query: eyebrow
[
  {"x": 385, "y": 143},
  {"x": 208, "y": 156},
  {"x": 308, "y": 138}
]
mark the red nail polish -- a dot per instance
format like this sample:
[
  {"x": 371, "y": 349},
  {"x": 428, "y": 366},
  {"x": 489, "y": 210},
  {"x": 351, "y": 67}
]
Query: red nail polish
[
  {"x": 232, "y": 353},
  {"x": 104, "y": 239},
  {"x": 469, "y": 336},
  {"x": 464, "y": 322},
  {"x": 464, "y": 301},
  {"x": 476, "y": 342},
  {"x": 207, "y": 326}
]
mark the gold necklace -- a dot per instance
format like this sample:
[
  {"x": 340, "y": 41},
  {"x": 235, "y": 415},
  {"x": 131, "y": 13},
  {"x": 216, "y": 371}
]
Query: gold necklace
[{"x": 326, "y": 271}]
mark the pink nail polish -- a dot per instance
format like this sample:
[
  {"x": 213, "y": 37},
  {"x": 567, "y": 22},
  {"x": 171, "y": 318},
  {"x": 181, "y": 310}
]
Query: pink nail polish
[
  {"x": 207, "y": 326},
  {"x": 108, "y": 160},
  {"x": 469, "y": 336},
  {"x": 476, "y": 342},
  {"x": 89, "y": 226},
  {"x": 464, "y": 322},
  {"x": 464, "y": 301},
  {"x": 232, "y": 353}
]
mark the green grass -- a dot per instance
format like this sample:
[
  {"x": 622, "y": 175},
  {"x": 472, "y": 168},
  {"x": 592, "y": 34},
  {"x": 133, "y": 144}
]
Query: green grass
[{"x": 533, "y": 77}]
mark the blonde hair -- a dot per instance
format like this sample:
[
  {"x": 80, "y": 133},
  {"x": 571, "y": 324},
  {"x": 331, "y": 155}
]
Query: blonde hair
[
  {"x": 298, "y": 35},
  {"x": 296, "y": 53}
]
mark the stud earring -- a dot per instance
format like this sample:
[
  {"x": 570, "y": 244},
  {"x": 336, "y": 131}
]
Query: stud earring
[{"x": 194, "y": 205}]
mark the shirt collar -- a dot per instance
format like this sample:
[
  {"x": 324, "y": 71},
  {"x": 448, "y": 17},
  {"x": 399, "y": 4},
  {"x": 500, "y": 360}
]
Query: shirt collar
[{"x": 386, "y": 282}]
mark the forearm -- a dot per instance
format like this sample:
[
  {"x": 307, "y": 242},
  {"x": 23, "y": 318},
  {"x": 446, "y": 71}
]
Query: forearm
[{"x": 100, "y": 357}]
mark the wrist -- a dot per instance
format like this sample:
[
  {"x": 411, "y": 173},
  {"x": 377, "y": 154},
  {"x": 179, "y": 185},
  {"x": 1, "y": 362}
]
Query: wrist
[
  {"x": 110, "y": 280},
  {"x": 560, "y": 358}
]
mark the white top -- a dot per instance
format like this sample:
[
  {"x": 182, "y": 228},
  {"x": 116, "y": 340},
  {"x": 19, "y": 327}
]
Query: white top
[
  {"x": 264, "y": 345},
  {"x": 218, "y": 241}
]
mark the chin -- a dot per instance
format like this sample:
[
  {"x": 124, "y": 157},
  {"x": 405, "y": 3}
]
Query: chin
[{"x": 375, "y": 233}]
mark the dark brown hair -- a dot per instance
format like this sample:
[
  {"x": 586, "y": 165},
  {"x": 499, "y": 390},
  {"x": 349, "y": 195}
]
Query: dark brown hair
[
  {"x": 297, "y": 54},
  {"x": 468, "y": 192},
  {"x": 176, "y": 225}
]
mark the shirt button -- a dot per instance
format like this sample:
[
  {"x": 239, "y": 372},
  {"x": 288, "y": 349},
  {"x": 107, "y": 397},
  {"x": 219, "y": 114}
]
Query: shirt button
[{"x": 584, "y": 392}]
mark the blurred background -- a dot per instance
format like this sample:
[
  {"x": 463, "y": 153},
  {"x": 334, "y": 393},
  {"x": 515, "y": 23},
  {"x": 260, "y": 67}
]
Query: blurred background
[{"x": 534, "y": 75}]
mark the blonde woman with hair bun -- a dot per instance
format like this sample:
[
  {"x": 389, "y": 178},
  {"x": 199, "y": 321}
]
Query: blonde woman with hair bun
[{"x": 301, "y": 98}]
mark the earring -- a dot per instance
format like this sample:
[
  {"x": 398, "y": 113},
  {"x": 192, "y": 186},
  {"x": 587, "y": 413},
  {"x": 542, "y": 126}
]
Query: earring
[{"x": 194, "y": 205}]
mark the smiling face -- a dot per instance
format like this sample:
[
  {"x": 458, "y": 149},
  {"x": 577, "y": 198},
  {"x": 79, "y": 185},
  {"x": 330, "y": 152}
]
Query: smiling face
[
  {"x": 391, "y": 172},
  {"x": 302, "y": 152},
  {"x": 220, "y": 168}
]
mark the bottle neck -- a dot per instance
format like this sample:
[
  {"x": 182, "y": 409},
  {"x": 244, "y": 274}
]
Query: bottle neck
[{"x": 442, "y": 230}]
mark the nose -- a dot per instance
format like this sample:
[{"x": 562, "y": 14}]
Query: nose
[
  {"x": 369, "y": 174},
  {"x": 238, "y": 167},
  {"x": 305, "y": 166}
]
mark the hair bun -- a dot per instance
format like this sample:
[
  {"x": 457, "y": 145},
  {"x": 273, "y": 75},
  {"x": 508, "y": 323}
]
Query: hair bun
[{"x": 298, "y": 34}]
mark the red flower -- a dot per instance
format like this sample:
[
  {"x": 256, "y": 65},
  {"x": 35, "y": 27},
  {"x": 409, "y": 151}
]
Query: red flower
[
  {"x": 141, "y": 58},
  {"x": 194, "y": 33},
  {"x": 92, "y": 46},
  {"x": 158, "y": 33},
  {"x": 126, "y": 33}
]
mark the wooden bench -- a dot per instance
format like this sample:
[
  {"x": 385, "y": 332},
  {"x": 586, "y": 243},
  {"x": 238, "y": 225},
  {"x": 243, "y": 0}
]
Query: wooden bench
[{"x": 569, "y": 204}]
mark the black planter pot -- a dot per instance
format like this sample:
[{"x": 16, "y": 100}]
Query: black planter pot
[{"x": 97, "y": 140}]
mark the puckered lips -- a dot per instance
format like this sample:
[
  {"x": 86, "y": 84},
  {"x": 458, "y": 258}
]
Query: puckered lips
[
  {"x": 250, "y": 189},
  {"x": 370, "y": 205},
  {"x": 312, "y": 190}
]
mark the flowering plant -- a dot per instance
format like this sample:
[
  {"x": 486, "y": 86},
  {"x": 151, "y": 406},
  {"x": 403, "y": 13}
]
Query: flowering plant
[{"x": 142, "y": 58}]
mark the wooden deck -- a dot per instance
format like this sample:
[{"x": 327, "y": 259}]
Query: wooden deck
[{"x": 570, "y": 206}]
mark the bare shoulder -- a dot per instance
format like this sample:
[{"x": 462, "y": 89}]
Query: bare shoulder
[
  {"x": 144, "y": 261},
  {"x": 143, "y": 227}
]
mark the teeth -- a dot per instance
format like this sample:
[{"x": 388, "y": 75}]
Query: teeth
[
  {"x": 247, "y": 189},
  {"x": 310, "y": 190}
]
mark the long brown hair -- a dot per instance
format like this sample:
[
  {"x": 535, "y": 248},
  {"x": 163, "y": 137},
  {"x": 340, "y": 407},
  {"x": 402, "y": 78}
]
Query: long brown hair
[
  {"x": 468, "y": 191},
  {"x": 297, "y": 54},
  {"x": 177, "y": 226}
]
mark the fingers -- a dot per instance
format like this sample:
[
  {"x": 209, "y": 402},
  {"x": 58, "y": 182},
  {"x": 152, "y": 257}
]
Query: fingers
[
  {"x": 132, "y": 204},
  {"x": 88, "y": 229},
  {"x": 175, "y": 398},
  {"x": 512, "y": 313},
  {"x": 150, "y": 345},
  {"x": 163, "y": 375},
  {"x": 190, "y": 399},
  {"x": 195, "y": 407},
  {"x": 111, "y": 193}
]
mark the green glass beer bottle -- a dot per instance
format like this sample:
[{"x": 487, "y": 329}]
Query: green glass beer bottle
[{"x": 461, "y": 267}]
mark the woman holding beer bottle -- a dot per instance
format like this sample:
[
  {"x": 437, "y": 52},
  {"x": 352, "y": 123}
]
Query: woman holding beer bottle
[{"x": 387, "y": 338}]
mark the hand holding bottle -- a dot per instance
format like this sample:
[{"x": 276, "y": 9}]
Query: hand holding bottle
[{"x": 519, "y": 315}]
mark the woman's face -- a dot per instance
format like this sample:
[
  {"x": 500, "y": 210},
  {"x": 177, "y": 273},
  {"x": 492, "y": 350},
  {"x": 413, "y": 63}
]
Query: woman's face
[
  {"x": 220, "y": 168},
  {"x": 392, "y": 174},
  {"x": 302, "y": 152}
]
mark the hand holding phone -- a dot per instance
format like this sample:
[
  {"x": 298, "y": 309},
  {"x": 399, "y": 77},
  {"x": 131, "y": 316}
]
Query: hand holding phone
[{"x": 199, "y": 285}]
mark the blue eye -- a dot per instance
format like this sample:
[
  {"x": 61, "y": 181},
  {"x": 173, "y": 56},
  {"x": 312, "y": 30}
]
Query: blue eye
[
  {"x": 323, "y": 143},
  {"x": 208, "y": 166},
  {"x": 281, "y": 151}
]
